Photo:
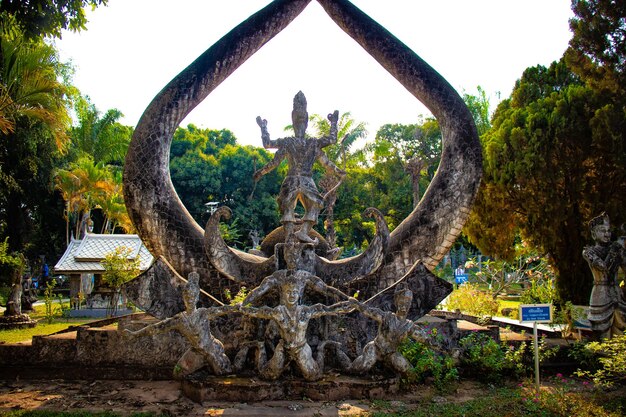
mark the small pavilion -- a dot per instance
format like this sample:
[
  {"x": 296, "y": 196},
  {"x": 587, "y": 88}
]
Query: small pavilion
[{"x": 81, "y": 262}]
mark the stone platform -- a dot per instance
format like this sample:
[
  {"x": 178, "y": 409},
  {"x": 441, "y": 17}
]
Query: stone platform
[{"x": 201, "y": 387}]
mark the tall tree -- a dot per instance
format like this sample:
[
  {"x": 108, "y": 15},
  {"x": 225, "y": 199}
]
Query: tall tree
[
  {"x": 34, "y": 112},
  {"x": 597, "y": 51},
  {"x": 415, "y": 147},
  {"x": 99, "y": 135},
  {"x": 349, "y": 131},
  {"x": 552, "y": 159},
  {"x": 208, "y": 166}
]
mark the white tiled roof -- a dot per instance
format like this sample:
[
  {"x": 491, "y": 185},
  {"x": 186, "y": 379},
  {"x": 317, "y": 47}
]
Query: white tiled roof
[{"x": 84, "y": 256}]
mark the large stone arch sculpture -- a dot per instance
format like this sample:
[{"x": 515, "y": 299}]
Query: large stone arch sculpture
[{"x": 425, "y": 235}]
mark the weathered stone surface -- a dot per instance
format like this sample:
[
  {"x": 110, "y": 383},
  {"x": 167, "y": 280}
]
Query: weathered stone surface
[
  {"x": 431, "y": 229},
  {"x": 607, "y": 304},
  {"x": 398, "y": 262},
  {"x": 425, "y": 235},
  {"x": 161, "y": 220},
  {"x": 202, "y": 387},
  {"x": 157, "y": 291}
]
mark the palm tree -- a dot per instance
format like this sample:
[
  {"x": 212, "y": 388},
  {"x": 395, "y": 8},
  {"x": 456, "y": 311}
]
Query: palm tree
[
  {"x": 34, "y": 119},
  {"x": 83, "y": 186},
  {"x": 348, "y": 131},
  {"x": 100, "y": 136},
  {"x": 30, "y": 87}
]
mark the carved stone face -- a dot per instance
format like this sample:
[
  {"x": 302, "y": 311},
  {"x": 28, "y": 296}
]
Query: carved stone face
[
  {"x": 601, "y": 234},
  {"x": 290, "y": 294},
  {"x": 403, "y": 301}
]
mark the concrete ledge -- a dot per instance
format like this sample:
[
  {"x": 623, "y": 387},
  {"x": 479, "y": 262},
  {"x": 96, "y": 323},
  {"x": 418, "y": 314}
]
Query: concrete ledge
[{"x": 201, "y": 387}]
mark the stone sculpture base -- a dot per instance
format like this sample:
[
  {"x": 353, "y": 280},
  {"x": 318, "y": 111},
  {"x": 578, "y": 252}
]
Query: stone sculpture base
[
  {"x": 199, "y": 388},
  {"x": 16, "y": 322}
]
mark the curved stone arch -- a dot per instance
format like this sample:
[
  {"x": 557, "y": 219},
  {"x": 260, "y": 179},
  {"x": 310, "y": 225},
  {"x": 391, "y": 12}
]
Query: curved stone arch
[
  {"x": 161, "y": 220},
  {"x": 426, "y": 234},
  {"x": 432, "y": 227}
]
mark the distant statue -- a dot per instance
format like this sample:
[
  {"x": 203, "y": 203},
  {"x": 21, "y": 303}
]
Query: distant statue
[
  {"x": 292, "y": 320},
  {"x": 194, "y": 325},
  {"x": 255, "y": 238},
  {"x": 392, "y": 330},
  {"x": 301, "y": 153},
  {"x": 607, "y": 307}
]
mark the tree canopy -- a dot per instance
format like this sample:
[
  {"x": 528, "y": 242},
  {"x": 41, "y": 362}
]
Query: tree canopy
[{"x": 41, "y": 18}]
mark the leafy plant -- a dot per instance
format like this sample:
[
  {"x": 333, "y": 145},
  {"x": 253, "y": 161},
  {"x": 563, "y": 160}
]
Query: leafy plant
[
  {"x": 48, "y": 299},
  {"x": 542, "y": 290},
  {"x": 567, "y": 314},
  {"x": 612, "y": 360},
  {"x": 471, "y": 300},
  {"x": 491, "y": 360},
  {"x": 119, "y": 268},
  {"x": 483, "y": 355},
  {"x": 238, "y": 298},
  {"x": 426, "y": 362}
]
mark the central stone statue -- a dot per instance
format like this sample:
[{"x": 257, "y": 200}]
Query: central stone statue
[
  {"x": 298, "y": 303},
  {"x": 301, "y": 153}
]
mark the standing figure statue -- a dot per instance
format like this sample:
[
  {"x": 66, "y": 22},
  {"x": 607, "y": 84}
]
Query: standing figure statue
[
  {"x": 392, "y": 330},
  {"x": 194, "y": 324},
  {"x": 292, "y": 320},
  {"x": 301, "y": 153},
  {"x": 607, "y": 307}
]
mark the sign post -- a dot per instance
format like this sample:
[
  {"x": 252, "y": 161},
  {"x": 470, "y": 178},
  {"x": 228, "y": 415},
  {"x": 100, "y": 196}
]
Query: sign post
[{"x": 536, "y": 313}]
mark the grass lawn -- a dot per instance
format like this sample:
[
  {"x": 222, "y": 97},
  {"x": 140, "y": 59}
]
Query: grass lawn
[
  {"x": 552, "y": 401},
  {"x": 42, "y": 327}
]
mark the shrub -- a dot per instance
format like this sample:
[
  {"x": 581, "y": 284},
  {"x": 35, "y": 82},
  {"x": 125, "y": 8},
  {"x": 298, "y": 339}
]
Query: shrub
[
  {"x": 426, "y": 362},
  {"x": 119, "y": 268},
  {"x": 471, "y": 300},
  {"x": 490, "y": 361},
  {"x": 483, "y": 355},
  {"x": 541, "y": 291},
  {"x": 611, "y": 355}
]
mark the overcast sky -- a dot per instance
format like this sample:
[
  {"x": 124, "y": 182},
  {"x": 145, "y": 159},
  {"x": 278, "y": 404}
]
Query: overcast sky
[{"x": 133, "y": 48}]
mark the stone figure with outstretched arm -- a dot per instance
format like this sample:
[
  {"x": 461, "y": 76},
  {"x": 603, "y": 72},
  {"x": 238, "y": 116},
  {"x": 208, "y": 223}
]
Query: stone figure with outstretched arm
[
  {"x": 194, "y": 325},
  {"x": 393, "y": 328},
  {"x": 301, "y": 153},
  {"x": 292, "y": 320}
]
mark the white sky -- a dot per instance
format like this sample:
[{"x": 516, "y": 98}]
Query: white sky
[{"x": 133, "y": 48}]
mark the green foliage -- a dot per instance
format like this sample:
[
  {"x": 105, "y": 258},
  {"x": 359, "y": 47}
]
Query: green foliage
[
  {"x": 119, "y": 267},
  {"x": 471, "y": 300},
  {"x": 597, "y": 49},
  {"x": 610, "y": 354},
  {"x": 554, "y": 154},
  {"x": 41, "y": 18},
  {"x": 238, "y": 298},
  {"x": 490, "y": 361},
  {"x": 98, "y": 136},
  {"x": 428, "y": 363},
  {"x": 48, "y": 296},
  {"x": 34, "y": 119},
  {"x": 483, "y": 355},
  {"x": 11, "y": 265},
  {"x": 541, "y": 291},
  {"x": 207, "y": 165}
]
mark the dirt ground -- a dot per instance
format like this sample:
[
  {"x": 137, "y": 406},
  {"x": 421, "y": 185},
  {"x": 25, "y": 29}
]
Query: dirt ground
[{"x": 165, "y": 397}]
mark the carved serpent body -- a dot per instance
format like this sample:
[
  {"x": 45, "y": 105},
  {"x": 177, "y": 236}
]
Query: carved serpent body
[{"x": 168, "y": 229}]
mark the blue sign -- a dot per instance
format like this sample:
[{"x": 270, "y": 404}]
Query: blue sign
[
  {"x": 460, "y": 279},
  {"x": 539, "y": 313}
]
